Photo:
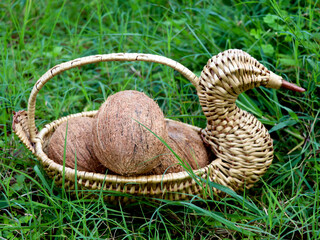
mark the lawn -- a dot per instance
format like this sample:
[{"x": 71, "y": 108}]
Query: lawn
[{"x": 282, "y": 35}]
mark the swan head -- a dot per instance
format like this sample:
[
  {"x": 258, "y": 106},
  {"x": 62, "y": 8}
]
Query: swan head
[{"x": 234, "y": 71}]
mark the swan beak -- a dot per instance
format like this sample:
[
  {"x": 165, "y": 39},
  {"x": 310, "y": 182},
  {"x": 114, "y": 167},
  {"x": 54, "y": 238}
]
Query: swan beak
[
  {"x": 276, "y": 82},
  {"x": 291, "y": 86}
]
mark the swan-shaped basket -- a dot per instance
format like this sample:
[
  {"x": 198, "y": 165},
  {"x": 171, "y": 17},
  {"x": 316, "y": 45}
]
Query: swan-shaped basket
[{"x": 242, "y": 145}]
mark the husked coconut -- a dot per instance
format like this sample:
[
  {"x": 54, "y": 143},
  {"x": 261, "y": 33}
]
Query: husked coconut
[
  {"x": 124, "y": 133},
  {"x": 188, "y": 145},
  {"x": 78, "y": 145}
]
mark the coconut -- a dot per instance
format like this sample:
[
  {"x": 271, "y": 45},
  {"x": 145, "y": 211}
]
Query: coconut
[
  {"x": 78, "y": 145},
  {"x": 124, "y": 133},
  {"x": 188, "y": 145}
]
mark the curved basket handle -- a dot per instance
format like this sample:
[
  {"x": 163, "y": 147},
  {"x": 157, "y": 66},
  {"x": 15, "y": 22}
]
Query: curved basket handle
[{"x": 95, "y": 59}]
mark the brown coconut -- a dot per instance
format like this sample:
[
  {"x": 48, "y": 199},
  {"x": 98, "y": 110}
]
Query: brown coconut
[
  {"x": 188, "y": 145},
  {"x": 78, "y": 145},
  {"x": 121, "y": 139}
]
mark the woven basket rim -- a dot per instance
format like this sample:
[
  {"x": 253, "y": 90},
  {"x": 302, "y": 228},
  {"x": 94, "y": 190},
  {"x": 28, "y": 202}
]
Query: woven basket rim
[{"x": 70, "y": 173}]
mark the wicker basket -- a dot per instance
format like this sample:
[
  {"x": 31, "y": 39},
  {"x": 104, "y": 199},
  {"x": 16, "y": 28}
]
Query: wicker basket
[{"x": 241, "y": 143}]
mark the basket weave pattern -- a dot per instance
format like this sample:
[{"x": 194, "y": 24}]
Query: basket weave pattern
[{"x": 241, "y": 143}]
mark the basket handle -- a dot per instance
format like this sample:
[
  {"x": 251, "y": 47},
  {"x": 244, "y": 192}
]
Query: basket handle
[{"x": 95, "y": 59}]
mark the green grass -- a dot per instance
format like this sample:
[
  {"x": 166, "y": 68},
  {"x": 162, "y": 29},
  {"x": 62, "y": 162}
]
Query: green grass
[{"x": 283, "y": 35}]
